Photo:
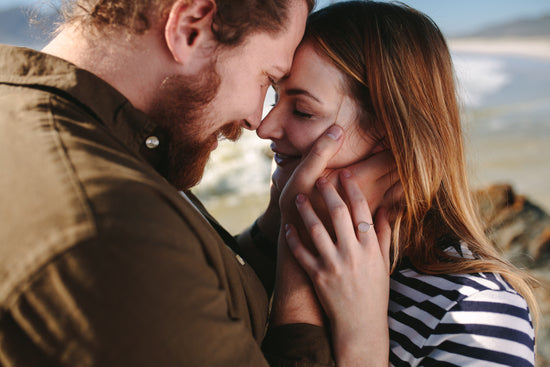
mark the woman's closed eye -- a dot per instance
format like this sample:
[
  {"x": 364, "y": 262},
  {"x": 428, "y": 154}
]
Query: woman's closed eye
[
  {"x": 302, "y": 110},
  {"x": 302, "y": 114}
]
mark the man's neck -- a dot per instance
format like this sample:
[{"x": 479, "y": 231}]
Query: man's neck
[{"x": 127, "y": 63}]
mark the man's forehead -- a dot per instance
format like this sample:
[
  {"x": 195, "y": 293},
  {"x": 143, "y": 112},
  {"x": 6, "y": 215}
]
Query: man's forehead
[
  {"x": 283, "y": 71},
  {"x": 291, "y": 35}
]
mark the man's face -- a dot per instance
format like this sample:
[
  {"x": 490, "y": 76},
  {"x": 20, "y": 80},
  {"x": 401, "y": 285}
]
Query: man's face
[
  {"x": 226, "y": 96},
  {"x": 248, "y": 70}
]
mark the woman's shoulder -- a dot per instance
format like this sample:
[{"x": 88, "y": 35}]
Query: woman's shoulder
[
  {"x": 428, "y": 314},
  {"x": 442, "y": 292},
  {"x": 475, "y": 317}
]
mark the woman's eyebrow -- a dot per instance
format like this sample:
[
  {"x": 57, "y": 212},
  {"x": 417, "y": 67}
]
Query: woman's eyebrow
[{"x": 302, "y": 92}]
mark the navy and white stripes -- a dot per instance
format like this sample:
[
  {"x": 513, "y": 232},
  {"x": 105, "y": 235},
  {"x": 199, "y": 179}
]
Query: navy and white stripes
[{"x": 458, "y": 320}]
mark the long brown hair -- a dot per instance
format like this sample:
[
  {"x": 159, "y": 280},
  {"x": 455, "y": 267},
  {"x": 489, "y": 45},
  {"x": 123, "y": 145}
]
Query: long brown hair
[{"x": 398, "y": 67}]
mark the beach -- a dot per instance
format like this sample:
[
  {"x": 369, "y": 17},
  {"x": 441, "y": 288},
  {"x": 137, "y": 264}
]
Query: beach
[
  {"x": 537, "y": 47},
  {"x": 506, "y": 113}
]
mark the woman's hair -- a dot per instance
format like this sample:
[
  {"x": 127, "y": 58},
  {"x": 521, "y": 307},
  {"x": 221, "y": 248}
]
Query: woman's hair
[
  {"x": 397, "y": 66},
  {"x": 233, "y": 21}
]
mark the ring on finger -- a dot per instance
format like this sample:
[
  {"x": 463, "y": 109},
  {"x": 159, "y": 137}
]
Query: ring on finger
[{"x": 364, "y": 227}]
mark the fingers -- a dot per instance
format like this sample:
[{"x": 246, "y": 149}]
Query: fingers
[
  {"x": 393, "y": 195},
  {"x": 345, "y": 221},
  {"x": 359, "y": 206},
  {"x": 280, "y": 176},
  {"x": 339, "y": 214},
  {"x": 377, "y": 165},
  {"x": 316, "y": 161},
  {"x": 306, "y": 260},
  {"x": 376, "y": 175},
  {"x": 381, "y": 237},
  {"x": 315, "y": 228}
]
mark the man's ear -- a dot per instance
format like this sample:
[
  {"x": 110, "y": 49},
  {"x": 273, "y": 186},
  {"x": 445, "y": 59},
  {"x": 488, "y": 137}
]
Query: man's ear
[{"x": 188, "y": 27}]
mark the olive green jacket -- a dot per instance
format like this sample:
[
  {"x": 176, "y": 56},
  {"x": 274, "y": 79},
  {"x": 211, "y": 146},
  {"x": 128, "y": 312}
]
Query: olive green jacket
[{"x": 102, "y": 261}]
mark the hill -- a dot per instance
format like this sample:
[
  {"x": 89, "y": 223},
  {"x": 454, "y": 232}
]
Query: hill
[{"x": 525, "y": 27}]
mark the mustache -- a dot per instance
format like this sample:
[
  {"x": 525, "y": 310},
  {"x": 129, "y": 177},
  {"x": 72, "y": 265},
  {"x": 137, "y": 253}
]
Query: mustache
[{"x": 231, "y": 131}]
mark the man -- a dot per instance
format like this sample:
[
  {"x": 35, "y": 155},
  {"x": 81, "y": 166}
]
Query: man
[{"x": 102, "y": 261}]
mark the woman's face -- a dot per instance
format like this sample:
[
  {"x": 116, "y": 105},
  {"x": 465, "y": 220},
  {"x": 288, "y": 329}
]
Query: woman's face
[{"x": 311, "y": 99}]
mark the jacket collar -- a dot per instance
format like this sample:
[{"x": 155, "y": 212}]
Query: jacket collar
[{"x": 33, "y": 69}]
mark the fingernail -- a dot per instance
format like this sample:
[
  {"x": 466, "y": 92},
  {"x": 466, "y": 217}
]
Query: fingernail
[
  {"x": 346, "y": 173},
  {"x": 322, "y": 181},
  {"x": 300, "y": 199},
  {"x": 334, "y": 132}
]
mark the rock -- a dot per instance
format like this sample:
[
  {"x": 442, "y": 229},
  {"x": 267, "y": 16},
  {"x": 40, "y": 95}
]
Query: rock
[
  {"x": 516, "y": 225},
  {"x": 521, "y": 230}
]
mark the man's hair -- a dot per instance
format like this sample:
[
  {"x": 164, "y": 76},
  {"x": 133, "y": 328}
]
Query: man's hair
[{"x": 233, "y": 21}]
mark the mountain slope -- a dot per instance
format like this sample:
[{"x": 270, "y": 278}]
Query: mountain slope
[{"x": 525, "y": 27}]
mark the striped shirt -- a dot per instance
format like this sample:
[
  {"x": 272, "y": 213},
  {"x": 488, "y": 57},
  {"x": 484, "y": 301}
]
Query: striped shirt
[{"x": 458, "y": 320}]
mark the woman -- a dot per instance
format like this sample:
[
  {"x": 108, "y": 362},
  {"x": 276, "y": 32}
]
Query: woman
[{"x": 383, "y": 73}]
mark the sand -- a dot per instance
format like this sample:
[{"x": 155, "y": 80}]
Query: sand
[{"x": 532, "y": 47}]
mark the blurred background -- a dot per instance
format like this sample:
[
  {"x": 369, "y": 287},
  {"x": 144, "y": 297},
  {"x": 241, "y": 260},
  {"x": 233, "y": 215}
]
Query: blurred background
[{"x": 501, "y": 53}]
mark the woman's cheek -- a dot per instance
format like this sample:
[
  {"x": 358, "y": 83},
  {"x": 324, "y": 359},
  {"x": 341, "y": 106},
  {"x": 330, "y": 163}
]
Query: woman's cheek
[
  {"x": 306, "y": 139},
  {"x": 351, "y": 152}
]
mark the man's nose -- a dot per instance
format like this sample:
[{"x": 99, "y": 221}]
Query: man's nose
[
  {"x": 250, "y": 123},
  {"x": 253, "y": 121}
]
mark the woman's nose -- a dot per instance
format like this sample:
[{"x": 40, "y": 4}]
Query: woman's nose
[{"x": 270, "y": 127}]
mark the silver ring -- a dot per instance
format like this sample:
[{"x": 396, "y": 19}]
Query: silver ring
[{"x": 364, "y": 227}]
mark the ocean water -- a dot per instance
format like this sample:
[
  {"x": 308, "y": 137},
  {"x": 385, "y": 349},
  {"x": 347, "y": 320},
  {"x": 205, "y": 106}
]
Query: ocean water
[{"x": 506, "y": 119}]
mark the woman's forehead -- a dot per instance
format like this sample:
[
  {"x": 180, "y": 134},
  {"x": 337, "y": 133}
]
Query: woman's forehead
[{"x": 312, "y": 71}]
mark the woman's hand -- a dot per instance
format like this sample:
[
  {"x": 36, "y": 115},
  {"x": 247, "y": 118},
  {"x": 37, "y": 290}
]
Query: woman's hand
[
  {"x": 350, "y": 273},
  {"x": 377, "y": 177},
  {"x": 294, "y": 300},
  {"x": 376, "y": 174}
]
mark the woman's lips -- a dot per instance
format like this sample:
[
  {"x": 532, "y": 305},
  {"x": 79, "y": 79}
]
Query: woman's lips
[{"x": 283, "y": 159}]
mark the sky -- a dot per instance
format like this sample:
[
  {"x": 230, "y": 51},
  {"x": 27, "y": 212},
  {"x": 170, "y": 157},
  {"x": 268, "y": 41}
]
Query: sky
[{"x": 454, "y": 17}]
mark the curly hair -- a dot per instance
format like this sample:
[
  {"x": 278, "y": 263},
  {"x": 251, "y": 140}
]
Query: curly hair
[{"x": 233, "y": 21}]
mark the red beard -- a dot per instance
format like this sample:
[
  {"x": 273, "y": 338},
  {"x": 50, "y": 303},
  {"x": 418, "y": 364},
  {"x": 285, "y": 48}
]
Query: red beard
[
  {"x": 179, "y": 110},
  {"x": 188, "y": 159}
]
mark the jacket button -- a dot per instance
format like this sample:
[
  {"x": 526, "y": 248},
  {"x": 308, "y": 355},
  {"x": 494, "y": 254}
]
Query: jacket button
[
  {"x": 152, "y": 142},
  {"x": 240, "y": 260}
]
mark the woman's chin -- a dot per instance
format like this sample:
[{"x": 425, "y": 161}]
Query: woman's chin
[{"x": 283, "y": 170}]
